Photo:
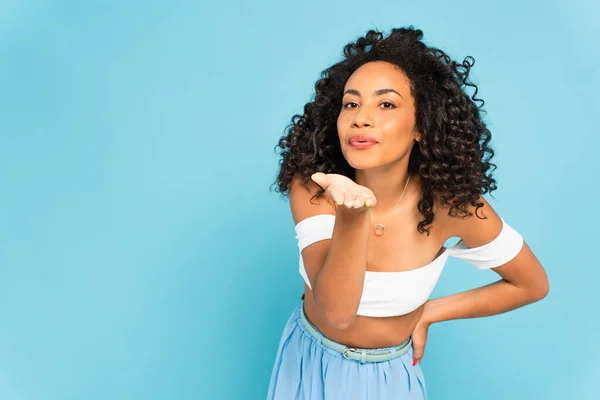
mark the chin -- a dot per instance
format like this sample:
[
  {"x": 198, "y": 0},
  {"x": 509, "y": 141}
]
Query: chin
[
  {"x": 363, "y": 164},
  {"x": 363, "y": 159}
]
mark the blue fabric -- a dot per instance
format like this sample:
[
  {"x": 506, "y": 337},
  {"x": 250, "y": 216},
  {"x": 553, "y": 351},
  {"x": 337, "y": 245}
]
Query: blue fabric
[{"x": 306, "y": 369}]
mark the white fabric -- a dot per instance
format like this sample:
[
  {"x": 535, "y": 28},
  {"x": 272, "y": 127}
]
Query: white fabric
[
  {"x": 396, "y": 293},
  {"x": 499, "y": 251}
]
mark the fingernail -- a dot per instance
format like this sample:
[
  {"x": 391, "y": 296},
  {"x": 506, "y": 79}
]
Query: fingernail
[
  {"x": 415, "y": 362},
  {"x": 367, "y": 204},
  {"x": 312, "y": 177},
  {"x": 340, "y": 202}
]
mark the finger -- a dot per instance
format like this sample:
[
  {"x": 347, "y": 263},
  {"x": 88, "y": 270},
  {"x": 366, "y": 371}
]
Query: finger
[
  {"x": 322, "y": 179},
  {"x": 338, "y": 196},
  {"x": 370, "y": 201},
  {"x": 349, "y": 198},
  {"x": 368, "y": 197},
  {"x": 359, "y": 201},
  {"x": 418, "y": 352}
]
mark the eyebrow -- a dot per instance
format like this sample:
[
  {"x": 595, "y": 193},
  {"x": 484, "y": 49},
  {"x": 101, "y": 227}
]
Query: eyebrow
[{"x": 377, "y": 92}]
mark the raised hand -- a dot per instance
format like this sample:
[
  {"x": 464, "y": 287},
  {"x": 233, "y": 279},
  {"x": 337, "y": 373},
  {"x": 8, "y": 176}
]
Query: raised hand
[{"x": 344, "y": 191}]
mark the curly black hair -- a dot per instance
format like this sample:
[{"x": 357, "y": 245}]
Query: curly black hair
[{"x": 453, "y": 156}]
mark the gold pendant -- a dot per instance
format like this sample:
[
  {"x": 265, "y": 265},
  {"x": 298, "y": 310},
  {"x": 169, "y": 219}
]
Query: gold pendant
[{"x": 379, "y": 229}]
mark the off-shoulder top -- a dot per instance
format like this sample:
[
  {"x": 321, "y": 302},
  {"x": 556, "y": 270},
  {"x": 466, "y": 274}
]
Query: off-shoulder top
[{"x": 400, "y": 292}]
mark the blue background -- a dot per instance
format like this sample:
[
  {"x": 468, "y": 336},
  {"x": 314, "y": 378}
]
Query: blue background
[{"x": 142, "y": 254}]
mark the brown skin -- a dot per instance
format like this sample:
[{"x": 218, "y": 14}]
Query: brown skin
[
  {"x": 401, "y": 248},
  {"x": 390, "y": 119}
]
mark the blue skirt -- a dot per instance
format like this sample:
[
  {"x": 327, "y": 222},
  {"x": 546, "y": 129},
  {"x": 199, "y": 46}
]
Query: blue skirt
[{"x": 306, "y": 369}]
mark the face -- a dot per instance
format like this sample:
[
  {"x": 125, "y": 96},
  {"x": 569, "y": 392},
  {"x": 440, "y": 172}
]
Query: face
[{"x": 377, "y": 104}]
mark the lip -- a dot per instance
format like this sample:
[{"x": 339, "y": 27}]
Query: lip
[
  {"x": 362, "y": 138},
  {"x": 362, "y": 145},
  {"x": 362, "y": 141}
]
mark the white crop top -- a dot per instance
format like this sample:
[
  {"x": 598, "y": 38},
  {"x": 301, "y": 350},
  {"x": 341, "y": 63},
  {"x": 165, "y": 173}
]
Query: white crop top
[{"x": 400, "y": 292}]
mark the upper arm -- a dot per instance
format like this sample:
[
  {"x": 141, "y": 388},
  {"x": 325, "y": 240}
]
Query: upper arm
[
  {"x": 313, "y": 255},
  {"x": 521, "y": 268},
  {"x": 479, "y": 229}
]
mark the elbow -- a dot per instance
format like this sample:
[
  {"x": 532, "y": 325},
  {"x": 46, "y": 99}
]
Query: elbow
[
  {"x": 337, "y": 319},
  {"x": 541, "y": 291},
  {"x": 340, "y": 323},
  {"x": 334, "y": 312}
]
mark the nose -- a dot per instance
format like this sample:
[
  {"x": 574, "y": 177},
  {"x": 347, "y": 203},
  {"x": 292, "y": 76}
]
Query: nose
[{"x": 362, "y": 118}]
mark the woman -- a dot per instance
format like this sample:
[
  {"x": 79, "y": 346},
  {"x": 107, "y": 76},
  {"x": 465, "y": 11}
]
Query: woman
[{"x": 388, "y": 162}]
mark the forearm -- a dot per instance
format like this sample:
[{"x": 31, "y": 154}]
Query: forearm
[
  {"x": 492, "y": 299},
  {"x": 339, "y": 284}
]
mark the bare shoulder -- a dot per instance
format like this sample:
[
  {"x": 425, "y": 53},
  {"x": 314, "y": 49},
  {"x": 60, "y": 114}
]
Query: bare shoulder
[
  {"x": 481, "y": 227},
  {"x": 301, "y": 203}
]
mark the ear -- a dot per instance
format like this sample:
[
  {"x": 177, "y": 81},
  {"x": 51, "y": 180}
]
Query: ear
[{"x": 418, "y": 136}]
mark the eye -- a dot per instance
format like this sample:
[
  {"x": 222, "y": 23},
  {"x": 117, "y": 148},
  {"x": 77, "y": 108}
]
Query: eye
[
  {"x": 388, "y": 103},
  {"x": 348, "y": 103}
]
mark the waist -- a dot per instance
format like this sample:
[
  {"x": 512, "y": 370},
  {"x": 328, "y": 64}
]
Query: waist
[
  {"x": 356, "y": 353},
  {"x": 365, "y": 332}
]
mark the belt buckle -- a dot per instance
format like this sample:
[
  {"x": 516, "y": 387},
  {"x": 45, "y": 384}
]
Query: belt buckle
[{"x": 347, "y": 349}]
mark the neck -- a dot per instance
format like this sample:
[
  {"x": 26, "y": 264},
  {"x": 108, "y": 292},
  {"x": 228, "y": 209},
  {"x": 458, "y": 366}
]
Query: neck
[{"x": 387, "y": 183}]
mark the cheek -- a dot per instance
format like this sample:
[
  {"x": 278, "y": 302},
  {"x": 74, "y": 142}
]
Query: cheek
[
  {"x": 401, "y": 125},
  {"x": 398, "y": 136},
  {"x": 342, "y": 122},
  {"x": 397, "y": 130}
]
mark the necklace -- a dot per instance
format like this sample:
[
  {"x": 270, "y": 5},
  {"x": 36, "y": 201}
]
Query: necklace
[{"x": 380, "y": 228}]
